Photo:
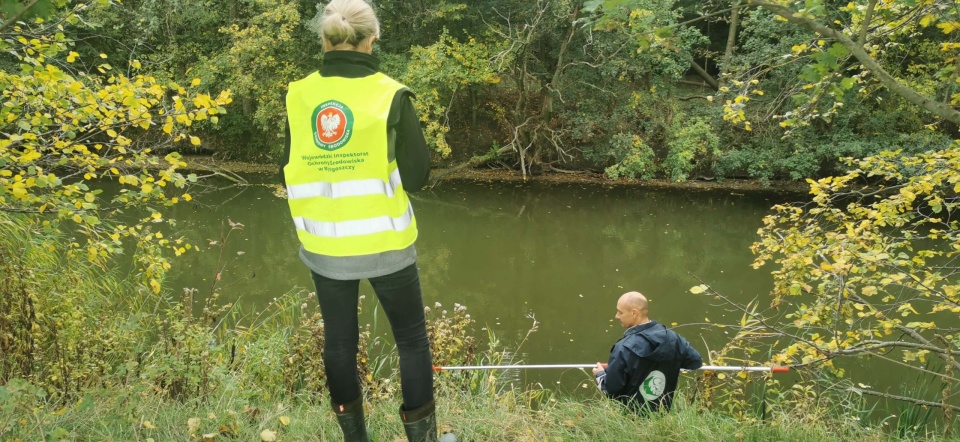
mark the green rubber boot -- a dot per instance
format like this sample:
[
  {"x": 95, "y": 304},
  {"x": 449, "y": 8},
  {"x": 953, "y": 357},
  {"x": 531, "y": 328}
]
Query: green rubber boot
[
  {"x": 350, "y": 418},
  {"x": 421, "y": 424}
]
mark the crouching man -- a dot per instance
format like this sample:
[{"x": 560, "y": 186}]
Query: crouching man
[{"x": 645, "y": 363}]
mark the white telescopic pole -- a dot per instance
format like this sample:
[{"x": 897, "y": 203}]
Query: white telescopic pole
[{"x": 774, "y": 369}]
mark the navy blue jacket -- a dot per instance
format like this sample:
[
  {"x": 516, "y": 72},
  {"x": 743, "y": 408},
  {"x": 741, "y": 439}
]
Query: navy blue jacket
[{"x": 644, "y": 366}]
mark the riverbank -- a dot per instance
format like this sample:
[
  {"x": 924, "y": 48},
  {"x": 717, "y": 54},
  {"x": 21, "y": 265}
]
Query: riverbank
[
  {"x": 210, "y": 164},
  {"x": 133, "y": 413}
]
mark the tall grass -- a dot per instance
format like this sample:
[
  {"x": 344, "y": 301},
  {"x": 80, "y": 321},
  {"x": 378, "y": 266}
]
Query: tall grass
[{"x": 131, "y": 413}]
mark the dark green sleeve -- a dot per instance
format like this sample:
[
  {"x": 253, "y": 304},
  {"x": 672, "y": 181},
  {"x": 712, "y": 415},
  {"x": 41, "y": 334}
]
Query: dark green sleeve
[
  {"x": 285, "y": 157},
  {"x": 413, "y": 156}
]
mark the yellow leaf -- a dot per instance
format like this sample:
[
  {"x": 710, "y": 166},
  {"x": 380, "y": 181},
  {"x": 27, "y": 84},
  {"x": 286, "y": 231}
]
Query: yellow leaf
[
  {"x": 927, "y": 20},
  {"x": 72, "y": 57},
  {"x": 268, "y": 436},
  {"x": 193, "y": 424},
  {"x": 949, "y": 27},
  {"x": 103, "y": 55},
  {"x": 285, "y": 420},
  {"x": 148, "y": 425},
  {"x": 195, "y": 82},
  {"x": 195, "y": 141},
  {"x": 187, "y": 197}
]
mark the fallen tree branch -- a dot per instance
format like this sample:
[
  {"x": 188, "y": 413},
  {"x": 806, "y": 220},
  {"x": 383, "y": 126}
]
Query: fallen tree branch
[
  {"x": 712, "y": 82},
  {"x": 12, "y": 20},
  {"x": 439, "y": 175},
  {"x": 904, "y": 399}
]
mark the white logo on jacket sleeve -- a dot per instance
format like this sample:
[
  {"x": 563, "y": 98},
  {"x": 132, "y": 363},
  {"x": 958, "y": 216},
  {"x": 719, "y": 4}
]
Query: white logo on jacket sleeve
[
  {"x": 330, "y": 123},
  {"x": 653, "y": 386}
]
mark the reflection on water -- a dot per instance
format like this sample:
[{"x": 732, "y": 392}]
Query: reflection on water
[{"x": 561, "y": 253}]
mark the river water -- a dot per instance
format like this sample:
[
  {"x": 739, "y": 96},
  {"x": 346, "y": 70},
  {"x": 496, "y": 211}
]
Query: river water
[{"x": 518, "y": 252}]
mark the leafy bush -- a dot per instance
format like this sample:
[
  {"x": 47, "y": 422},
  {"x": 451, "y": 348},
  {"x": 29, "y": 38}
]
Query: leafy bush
[
  {"x": 57, "y": 328},
  {"x": 638, "y": 159},
  {"x": 692, "y": 145}
]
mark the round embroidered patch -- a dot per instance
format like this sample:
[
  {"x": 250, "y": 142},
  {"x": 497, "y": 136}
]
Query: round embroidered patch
[
  {"x": 332, "y": 125},
  {"x": 653, "y": 386}
]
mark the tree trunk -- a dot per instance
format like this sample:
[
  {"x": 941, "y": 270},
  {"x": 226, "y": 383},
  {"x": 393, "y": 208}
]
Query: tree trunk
[
  {"x": 704, "y": 75},
  {"x": 865, "y": 26},
  {"x": 561, "y": 59},
  {"x": 731, "y": 35},
  {"x": 935, "y": 107},
  {"x": 6, "y": 24}
]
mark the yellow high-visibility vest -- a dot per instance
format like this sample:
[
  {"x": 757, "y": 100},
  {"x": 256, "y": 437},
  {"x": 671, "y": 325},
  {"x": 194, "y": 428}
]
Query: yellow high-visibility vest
[{"x": 345, "y": 197}]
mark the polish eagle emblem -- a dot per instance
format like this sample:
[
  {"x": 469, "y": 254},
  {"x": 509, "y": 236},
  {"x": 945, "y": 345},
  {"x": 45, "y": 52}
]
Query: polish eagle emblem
[{"x": 329, "y": 123}]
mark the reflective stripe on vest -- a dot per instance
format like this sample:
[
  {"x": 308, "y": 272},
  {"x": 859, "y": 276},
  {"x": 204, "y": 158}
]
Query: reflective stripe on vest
[
  {"x": 344, "y": 229},
  {"x": 372, "y": 186},
  {"x": 346, "y": 198}
]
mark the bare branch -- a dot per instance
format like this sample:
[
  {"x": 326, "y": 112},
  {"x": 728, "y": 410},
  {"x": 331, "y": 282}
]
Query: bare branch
[
  {"x": 904, "y": 399},
  {"x": 6, "y": 24},
  {"x": 937, "y": 108}
]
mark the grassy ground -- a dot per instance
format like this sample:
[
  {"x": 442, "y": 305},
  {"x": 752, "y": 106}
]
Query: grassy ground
[{"x": 133, "y": 414}]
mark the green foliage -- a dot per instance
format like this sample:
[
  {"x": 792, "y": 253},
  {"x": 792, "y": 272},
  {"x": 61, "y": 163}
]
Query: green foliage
[
  {"x": 406, "y": 24},
  {"x": 28, "y": 9},
  {"x": 637, "y": 159},
  {"x": 892, "y": 54},
  {"x": 253, "y": 48},
  {"x": 54, "y": 327},
  {"x": 810, "y": 153},
  {"x": 867, "y": 268},
  {"x": 66, "y": 126},
  {"x": 692, "y": 142},
  {"x": 550, "y": 79},
  {"x": 439, "y": 74},
  {"x": 260, "y": 60}
]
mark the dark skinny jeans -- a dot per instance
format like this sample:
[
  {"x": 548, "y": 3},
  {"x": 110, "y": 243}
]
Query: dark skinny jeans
[{"x": 402, "y": 300}]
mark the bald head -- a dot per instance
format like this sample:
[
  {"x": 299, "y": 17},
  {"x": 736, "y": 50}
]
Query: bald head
[{"x": 632, "y": 309}]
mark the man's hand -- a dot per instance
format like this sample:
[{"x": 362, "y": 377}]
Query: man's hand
[{"x": 598, "y": 368}]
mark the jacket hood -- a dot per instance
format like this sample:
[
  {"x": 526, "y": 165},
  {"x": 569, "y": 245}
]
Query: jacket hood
[{"x": 656, "y": 345}]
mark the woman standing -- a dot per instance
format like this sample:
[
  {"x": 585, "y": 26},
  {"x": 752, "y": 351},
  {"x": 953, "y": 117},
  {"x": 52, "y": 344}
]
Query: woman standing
[{"x": 355, "y": 147}]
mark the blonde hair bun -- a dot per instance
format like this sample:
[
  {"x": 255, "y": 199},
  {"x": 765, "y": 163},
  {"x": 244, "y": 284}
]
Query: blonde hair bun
[{"x": 345, "y": 21}]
